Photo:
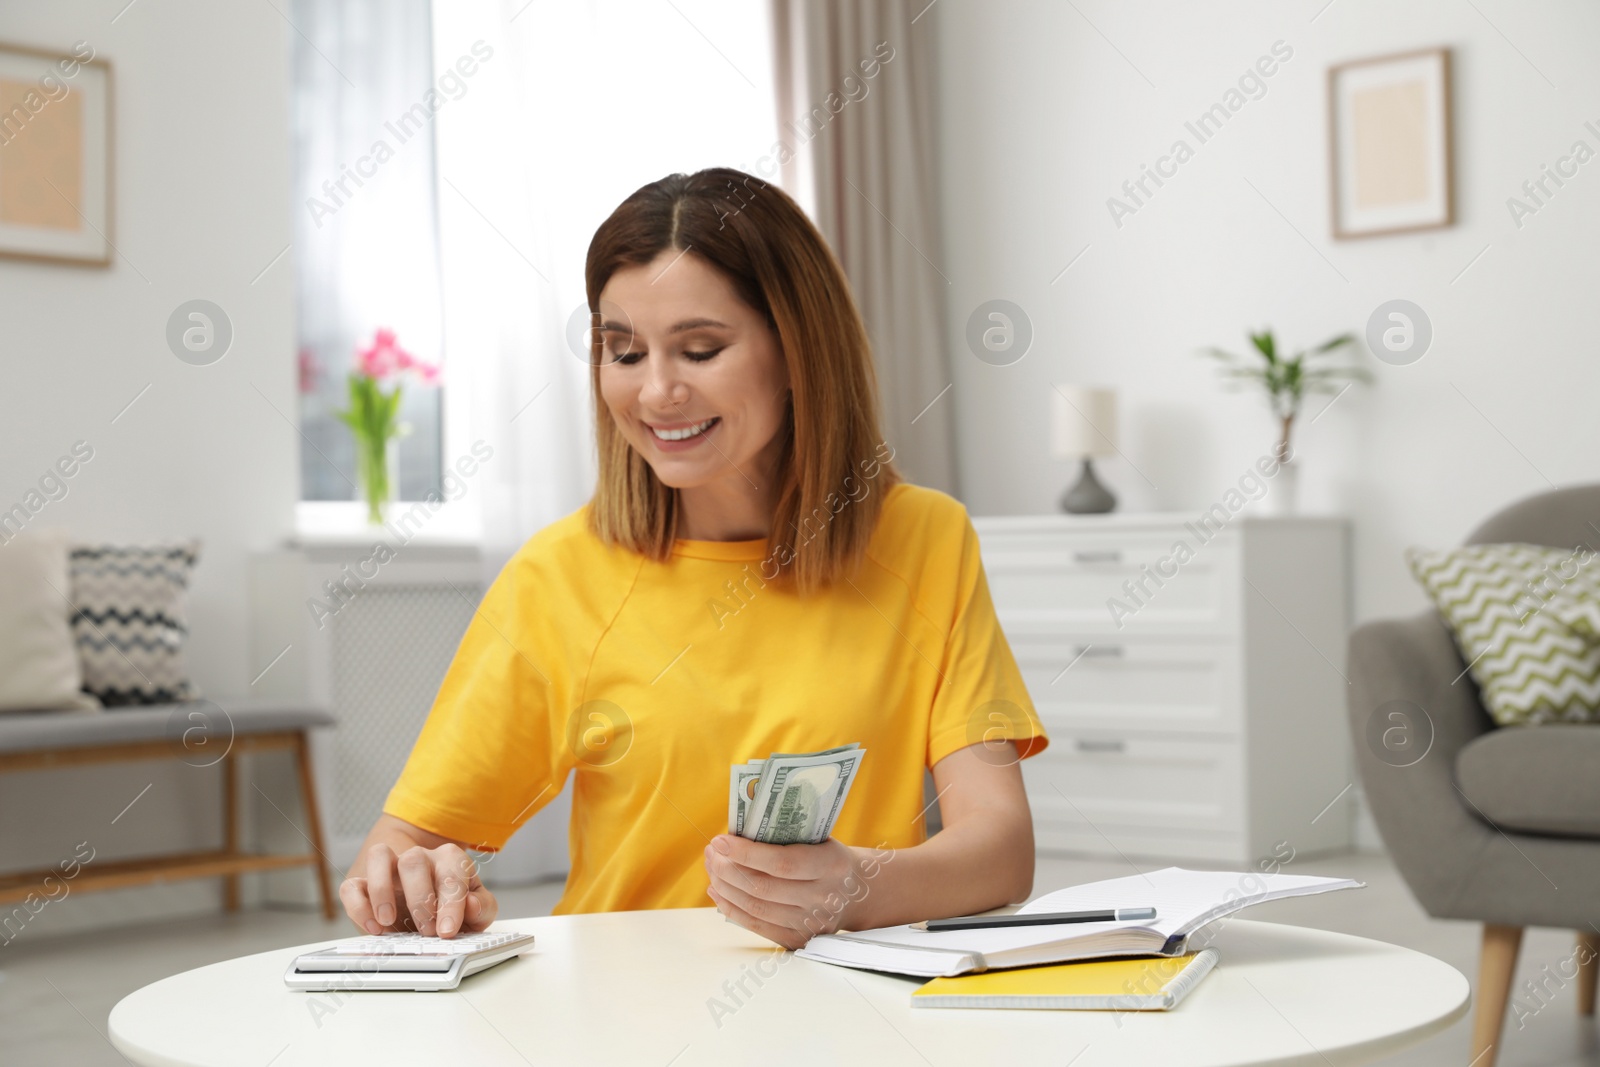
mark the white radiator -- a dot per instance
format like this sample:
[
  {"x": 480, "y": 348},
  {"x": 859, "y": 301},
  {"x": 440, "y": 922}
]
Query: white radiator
[
  {"x": 372, "y": 643},
  {"x": 391, "y": 646}
]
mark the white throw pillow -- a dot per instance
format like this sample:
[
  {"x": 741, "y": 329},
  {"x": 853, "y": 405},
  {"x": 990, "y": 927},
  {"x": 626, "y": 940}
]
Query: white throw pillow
[{"x": 39, "y": 667}]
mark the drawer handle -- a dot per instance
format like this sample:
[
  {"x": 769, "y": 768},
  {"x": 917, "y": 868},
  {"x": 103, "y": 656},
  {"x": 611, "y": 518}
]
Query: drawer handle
[
  {"x": 1083, "y": 744},
  {"x": 1107, "y": 555},
  {"x": 1100, "y": 652}
]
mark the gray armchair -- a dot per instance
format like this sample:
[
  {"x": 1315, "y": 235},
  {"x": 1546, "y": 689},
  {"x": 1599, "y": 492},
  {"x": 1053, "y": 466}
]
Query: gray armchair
[{"x": 1499, "y": 826}]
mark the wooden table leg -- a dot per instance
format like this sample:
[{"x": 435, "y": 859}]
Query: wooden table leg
[
  {"x": 308, "y": 802},
  {"x": 1588, "y": 970},
  {"x": 1497, "y": 965},
  {"x": 230, "y": 828}
]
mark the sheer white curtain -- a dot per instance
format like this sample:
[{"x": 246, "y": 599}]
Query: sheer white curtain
[
  {"x": 568, "y": 108},
  {"x": 365, "y": 247}
]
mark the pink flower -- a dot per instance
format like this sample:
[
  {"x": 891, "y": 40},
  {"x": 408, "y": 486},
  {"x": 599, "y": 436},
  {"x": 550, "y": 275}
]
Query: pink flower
[
  {"x": 384, "y": 358},
  {"x": 377, "y": 361},
  {"x": 307, "y": 364}
]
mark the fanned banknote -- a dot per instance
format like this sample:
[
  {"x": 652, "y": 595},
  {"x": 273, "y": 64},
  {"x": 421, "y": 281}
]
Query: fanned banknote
[{"x": 791, "y": 797}]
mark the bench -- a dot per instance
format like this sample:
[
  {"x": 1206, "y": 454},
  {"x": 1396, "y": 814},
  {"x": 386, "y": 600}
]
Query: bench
[{"x": 201, "y": 733}]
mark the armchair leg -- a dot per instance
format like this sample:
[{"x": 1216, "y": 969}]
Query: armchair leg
[
  {"x": 1497, "y": 964},
  {"x": 1588, "y": 970}
]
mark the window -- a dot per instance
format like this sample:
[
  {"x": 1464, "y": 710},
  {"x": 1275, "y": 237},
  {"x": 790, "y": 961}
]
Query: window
[
  {"x": 466, "y": 231},
  {"x": 365, "y": 234}
]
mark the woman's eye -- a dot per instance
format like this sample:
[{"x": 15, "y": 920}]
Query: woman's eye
[
  {"x": 627, "y": 358},
  {"x": 701, "y": 357}
]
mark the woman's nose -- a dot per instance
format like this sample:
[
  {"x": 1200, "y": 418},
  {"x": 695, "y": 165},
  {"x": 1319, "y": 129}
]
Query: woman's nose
[{"x": 663, "y": 382}]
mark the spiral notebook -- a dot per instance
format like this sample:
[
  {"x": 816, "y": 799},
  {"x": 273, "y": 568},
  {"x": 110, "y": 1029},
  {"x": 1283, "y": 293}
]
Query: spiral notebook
[
  {"x": 1093, "y": 985},
  {"x": 1184, "y": 901}
]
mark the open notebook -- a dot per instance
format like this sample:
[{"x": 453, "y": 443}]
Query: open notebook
[{"x": 1184, "y": 901}]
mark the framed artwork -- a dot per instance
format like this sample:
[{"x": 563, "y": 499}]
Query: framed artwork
[
  {"x": 1389, "y": 144},
  {"x": 55, "y": 155}
]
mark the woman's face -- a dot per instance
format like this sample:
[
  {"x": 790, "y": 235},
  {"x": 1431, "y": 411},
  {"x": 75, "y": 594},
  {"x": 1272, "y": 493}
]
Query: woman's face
[{"x": 692, "y": 375}]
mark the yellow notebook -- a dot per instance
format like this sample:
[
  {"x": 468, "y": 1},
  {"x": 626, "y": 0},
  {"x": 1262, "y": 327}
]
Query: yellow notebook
[{"x": 1151, "y": 984}]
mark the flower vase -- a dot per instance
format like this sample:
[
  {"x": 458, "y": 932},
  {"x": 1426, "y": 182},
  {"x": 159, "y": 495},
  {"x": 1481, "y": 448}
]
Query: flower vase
[
  {"x": 373, "y": 417},
  {"x": 378, "y": 467}
]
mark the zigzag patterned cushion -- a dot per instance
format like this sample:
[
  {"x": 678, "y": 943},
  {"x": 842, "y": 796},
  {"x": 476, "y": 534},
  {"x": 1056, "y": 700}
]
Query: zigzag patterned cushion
[
  {"x": 1512, "y": 609},
  {"x": 1580, "y": 613},
  {"x": 130, "y": 625}
]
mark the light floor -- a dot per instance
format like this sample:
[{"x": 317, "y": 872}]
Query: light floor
[{"x": 55, "y": 992}]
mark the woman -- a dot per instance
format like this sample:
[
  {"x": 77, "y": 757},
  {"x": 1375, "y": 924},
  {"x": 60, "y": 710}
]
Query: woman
[{"x": 750, "y": 577}]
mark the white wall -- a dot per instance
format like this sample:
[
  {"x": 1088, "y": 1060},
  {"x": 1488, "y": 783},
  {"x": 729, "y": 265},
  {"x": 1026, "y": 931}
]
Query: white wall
[
  {"x": 201, "y": 208},
  {"x": 1042, "y": 121}
]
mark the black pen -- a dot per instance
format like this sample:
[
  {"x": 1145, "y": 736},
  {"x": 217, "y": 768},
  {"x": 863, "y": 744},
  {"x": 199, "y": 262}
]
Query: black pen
[{"x": 1043, "y": 918}]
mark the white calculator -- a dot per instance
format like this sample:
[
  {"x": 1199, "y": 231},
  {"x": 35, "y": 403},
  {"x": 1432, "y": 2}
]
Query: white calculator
[{"x": 403, "y": 961}]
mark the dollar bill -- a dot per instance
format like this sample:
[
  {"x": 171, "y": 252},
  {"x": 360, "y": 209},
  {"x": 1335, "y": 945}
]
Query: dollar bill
[
  {"x": 744, "y": 782},
  {"x": 741, "y": 791},
  {"x": 791, "y": 797}
]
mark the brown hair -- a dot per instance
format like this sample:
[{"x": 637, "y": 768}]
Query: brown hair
[{"x": 782, "y": 267}]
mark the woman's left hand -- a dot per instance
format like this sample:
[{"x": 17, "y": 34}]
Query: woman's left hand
[{"x": 785, "y": 893}]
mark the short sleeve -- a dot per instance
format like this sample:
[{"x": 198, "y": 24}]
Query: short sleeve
[
  {"x": 491, "y": 754},
  {"x": 981, "y": 695}
]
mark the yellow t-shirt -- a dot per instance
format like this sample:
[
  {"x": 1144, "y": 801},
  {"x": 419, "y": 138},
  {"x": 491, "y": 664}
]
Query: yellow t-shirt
[{"x": 647, "y": 679}]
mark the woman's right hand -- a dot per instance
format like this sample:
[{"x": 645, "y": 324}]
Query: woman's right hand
[{"x": 434, "y": 891}]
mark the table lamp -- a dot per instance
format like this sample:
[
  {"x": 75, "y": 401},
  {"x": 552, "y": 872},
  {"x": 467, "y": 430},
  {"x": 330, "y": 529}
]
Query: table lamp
[{"x": 1084, "y": 425}]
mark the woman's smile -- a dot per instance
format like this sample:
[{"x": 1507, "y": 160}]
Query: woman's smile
[{"x": 681, "y": 436}]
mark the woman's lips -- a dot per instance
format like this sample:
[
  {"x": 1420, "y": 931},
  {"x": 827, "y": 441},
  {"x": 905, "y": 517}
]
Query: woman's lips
[{"x": 696, "y": 433}]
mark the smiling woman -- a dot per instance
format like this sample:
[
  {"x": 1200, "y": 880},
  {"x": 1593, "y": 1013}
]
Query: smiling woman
[
  {"x": 737, "y": 426},
  {"x": 727, "y": 328}
]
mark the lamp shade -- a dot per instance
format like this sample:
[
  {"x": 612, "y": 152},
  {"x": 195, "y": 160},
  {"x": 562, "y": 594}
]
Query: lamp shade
[{"x": 1083, "y": 422}]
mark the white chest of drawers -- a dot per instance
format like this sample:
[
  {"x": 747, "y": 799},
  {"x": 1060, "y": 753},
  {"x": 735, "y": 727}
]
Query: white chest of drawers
[{"x": 1194, "y": 696}]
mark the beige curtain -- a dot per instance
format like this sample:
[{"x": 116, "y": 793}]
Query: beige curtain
[{"x": 855, "y": 100}]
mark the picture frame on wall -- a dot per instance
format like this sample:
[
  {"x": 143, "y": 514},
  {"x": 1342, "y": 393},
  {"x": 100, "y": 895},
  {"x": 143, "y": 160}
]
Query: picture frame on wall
[
  {"x": 55, "y": 155},
  {"x": 1389, "y": 144}
]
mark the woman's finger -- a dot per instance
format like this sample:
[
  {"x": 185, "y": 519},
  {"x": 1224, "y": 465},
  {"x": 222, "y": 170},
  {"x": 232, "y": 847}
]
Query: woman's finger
[
  {"x": 380, "y": 884},
  {"x": 760, "y": 885},
  {"x": 776, "y": 912},
  {"x": 481, "y": 909},
  {"x": 353, "y": 895},
  {"x": 795, "y": 862},
  {"x": 745, "y": 878},
  {"x": 416, "y": 880},
  {"x": 782, "y": 935},
  {"x": 453, "y": 874}
]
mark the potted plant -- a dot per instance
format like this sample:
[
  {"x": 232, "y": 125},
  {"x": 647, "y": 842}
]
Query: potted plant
[
  {"x": 1288, "y": 380},
  {"x": 373, "y": 414}
]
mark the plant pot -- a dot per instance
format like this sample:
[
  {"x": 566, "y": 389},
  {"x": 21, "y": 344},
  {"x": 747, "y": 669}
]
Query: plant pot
[{"x": 1283, "y": 491}]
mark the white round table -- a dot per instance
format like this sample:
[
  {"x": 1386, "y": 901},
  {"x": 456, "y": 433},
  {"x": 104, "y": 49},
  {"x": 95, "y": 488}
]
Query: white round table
[{"x": 662, "y": 987}]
